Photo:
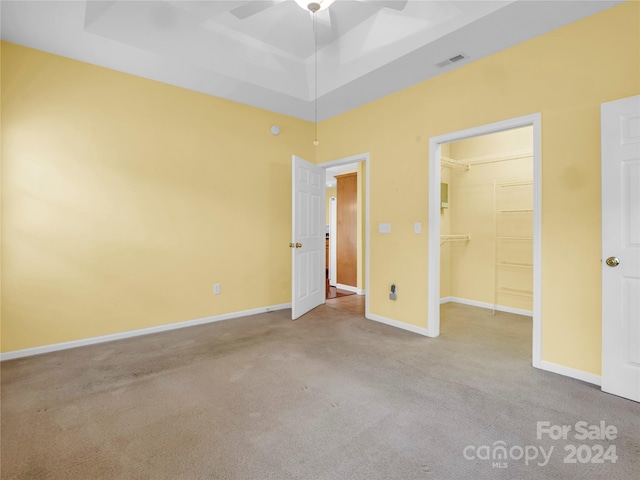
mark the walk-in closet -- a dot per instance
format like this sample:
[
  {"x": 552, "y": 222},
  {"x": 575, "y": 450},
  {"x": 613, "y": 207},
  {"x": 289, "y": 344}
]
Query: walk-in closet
[{"x": 486, "y": 222}]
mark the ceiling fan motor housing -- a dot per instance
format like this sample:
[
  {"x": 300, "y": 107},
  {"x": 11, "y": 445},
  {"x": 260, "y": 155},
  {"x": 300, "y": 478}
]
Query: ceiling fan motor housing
[{"x": 313, "y": 7}]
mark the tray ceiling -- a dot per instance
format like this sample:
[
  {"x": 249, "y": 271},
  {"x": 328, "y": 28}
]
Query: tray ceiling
[{"x": 263, "y": 53}]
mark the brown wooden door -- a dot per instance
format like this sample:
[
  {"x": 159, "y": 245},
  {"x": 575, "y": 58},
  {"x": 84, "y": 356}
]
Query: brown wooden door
[{"x": 346, "y": 235}]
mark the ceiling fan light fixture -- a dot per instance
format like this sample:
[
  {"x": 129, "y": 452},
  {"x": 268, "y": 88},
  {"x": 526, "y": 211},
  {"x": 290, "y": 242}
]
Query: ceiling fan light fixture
[{"x": 314, "y": 6}]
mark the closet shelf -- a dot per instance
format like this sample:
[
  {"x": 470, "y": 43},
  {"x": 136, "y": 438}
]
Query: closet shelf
[
  {"x": 511, "y": 270},
  {"x": 454, "y": 238},
  {"x": 451, "y": 163}
]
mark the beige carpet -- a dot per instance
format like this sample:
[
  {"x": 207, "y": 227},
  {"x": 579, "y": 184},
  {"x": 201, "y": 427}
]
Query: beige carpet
[{"x": 330, "y": 396}]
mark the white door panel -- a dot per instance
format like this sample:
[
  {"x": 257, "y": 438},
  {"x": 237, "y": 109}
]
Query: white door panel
[
  {"x": 308, "y": 242},
  {"x": 621, "y": 248}
]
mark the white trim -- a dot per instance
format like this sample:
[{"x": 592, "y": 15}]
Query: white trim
[
  {"x": 444, "y": 300},
  {"x": 333, "y": 241},
  {"x": 489, "y": 306},
  {"x": 537, "y": 241},
  {"x": 397, "y": 324},
  {"x": 433, "y": 289},
  {"x": 28, "y": 352},
  {"x": 570, "y": 372},
  {"x": 362, "y": 157},
  {"x": 349, "y": 288},
  {"x": 433, "y": 268}
]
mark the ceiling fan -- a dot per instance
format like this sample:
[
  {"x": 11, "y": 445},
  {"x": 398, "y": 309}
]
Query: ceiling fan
[{"x": 360, "y": 9}]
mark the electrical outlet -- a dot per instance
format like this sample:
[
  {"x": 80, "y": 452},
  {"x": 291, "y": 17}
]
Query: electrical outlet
[
  {"x": 216, "y": 289},
  {"x": 393, "y": 295}
]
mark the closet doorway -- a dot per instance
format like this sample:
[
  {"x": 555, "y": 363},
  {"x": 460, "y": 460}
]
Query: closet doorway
[{"x": 484, "y": 240}]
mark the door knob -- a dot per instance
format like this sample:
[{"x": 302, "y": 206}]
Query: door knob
[
  {"x": 291, "y": 245},
  {"x": 298, "y": 245},
  {"x": 613, "y": 261}
]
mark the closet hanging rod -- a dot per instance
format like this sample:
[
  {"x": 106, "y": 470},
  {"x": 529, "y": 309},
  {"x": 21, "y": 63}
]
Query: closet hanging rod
[
  {"x": 497, "y": 160},
  {"x": 514, "y": 184}
]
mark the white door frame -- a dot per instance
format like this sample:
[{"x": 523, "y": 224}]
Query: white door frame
[
  {"x": 362, "y": 157},
  {"x": 433, "y": 289},
  {"x": 333, "y": 228}
]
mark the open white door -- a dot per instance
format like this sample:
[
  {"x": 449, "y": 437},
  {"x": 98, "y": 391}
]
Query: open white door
[
  {"x": 308, "y": 242},
  {"x": 621, "y": 247}
]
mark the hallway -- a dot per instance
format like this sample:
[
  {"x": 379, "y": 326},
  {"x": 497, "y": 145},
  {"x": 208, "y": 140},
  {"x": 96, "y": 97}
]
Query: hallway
[{"x": 350, "y": 303}]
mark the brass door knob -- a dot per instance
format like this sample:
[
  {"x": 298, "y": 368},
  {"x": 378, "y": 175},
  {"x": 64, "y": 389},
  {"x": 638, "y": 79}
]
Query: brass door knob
[
  {"x": 613, "y": 261},
  {"x": 298, "y": 245}
]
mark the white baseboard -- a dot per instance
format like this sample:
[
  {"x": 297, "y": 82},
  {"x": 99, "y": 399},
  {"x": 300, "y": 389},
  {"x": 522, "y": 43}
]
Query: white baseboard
[
  {"x": 27, "y": 352},
  {"x": 491, "y": 306},
  {"x": 397, "y": 324},
  {"x": 569, "y": 372},
  {"x": 349, "y": 288}
]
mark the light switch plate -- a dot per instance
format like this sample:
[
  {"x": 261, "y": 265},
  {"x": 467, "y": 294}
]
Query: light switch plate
[
  {"x": 417, "y": 227},
  {"x": 384, "y": 227}
]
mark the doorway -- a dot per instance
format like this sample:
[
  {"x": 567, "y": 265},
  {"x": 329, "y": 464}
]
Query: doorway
[
  {"x": 507, "y": 288},
  {"x": 337, "y": 290},
  {"x": 345, "y": 235}
]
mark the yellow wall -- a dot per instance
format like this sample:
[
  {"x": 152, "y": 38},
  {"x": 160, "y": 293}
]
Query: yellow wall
[
  {"x": 566, "y": 75},
  {"x": 472, "y": 267},
  {"x": 125, "y": 200}
]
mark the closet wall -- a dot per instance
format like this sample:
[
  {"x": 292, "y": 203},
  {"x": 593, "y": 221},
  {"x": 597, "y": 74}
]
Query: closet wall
[{"x": 488, "y": 269}]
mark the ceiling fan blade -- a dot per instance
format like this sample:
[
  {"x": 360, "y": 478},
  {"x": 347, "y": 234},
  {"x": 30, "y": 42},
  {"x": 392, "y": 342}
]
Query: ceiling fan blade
[
  {"x": 333, "y": 23},
  {"x": 347, "y": 15},
  {"x": 325, "y": 26},
  {"x": 251, "y": 8},
  {"x": 393, "y": 4}
]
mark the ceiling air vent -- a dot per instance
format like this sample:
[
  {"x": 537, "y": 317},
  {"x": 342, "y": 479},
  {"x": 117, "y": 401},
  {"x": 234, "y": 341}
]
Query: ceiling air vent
[{"x": 449, "y": 61}]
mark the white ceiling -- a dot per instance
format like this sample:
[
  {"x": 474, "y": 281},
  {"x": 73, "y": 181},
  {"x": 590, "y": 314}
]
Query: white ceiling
[{"x": 366, "y": 48}]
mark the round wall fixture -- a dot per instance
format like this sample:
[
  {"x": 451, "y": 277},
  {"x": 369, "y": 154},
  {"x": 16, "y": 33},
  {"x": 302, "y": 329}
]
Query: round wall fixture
[{"x": 275, "y": 129}]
